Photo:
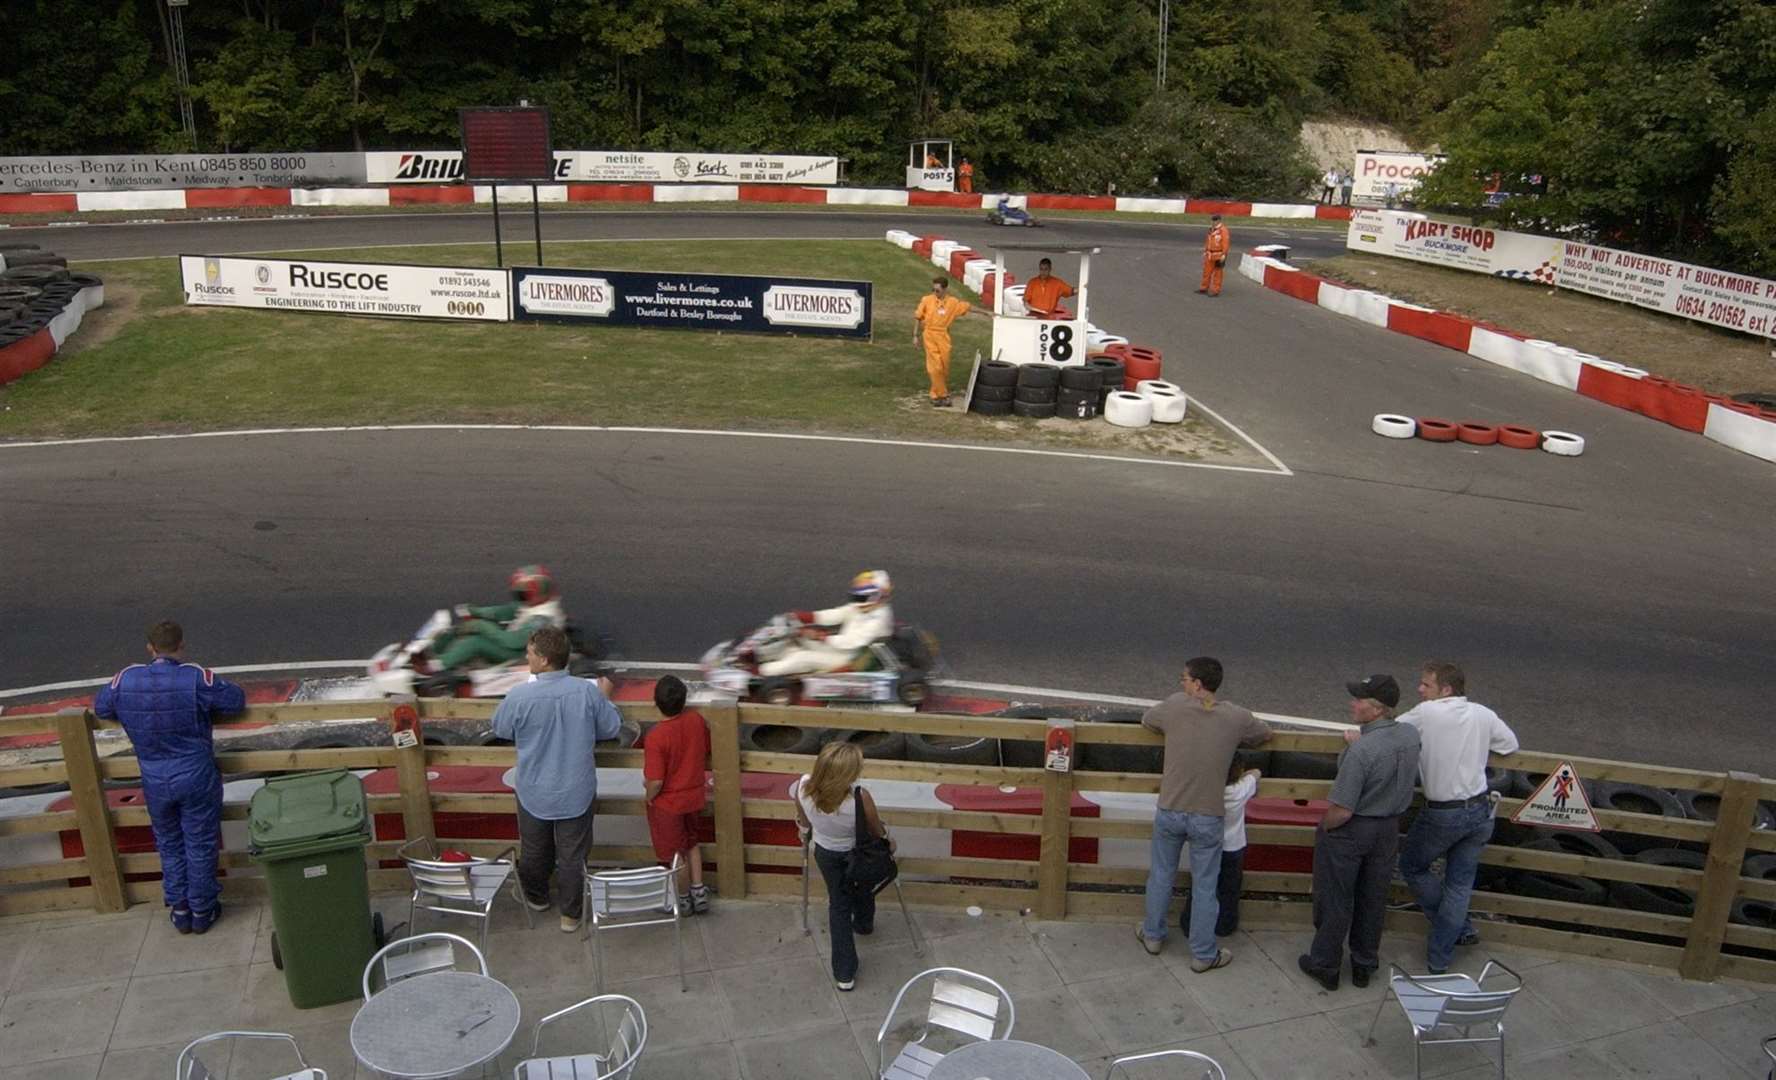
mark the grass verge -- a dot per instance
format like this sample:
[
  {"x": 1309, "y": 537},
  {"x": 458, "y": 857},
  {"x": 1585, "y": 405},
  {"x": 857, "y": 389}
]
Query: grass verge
[
  {"x": 147, "y": 363},
  {"x": 1719, "y": 361}
]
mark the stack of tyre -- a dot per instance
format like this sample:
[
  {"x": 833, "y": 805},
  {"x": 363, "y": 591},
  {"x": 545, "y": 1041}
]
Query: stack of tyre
[{"x": 35, "y": 288}]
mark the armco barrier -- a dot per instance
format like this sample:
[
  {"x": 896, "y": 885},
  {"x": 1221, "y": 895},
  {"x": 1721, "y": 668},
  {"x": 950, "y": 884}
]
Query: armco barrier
[
  {"x": 1746, "y": 429},
  {"x": 1051, "y": 823}
]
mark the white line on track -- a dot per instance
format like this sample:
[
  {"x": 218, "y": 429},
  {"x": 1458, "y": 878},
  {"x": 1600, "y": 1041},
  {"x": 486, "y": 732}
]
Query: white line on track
[
  {"x": 651, "y": 665},
  {"x": 1279, "y": 470}
]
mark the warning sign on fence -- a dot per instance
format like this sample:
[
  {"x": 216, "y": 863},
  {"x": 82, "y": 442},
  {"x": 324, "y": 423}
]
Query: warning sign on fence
[{"x": 1559, "y": 803}]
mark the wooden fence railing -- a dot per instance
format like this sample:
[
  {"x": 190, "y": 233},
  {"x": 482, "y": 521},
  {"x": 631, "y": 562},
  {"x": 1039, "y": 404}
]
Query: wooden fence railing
[{"x": 1700, "y": 946}]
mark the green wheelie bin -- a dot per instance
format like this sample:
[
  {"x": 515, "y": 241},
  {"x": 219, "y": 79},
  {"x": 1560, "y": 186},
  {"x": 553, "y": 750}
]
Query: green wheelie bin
[{"x": 308, "y": 830}]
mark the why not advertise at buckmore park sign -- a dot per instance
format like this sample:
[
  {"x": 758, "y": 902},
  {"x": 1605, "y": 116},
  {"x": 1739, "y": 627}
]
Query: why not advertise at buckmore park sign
[
  {"x": 420, "y": 292},
  {"x": 674, "y": 301}
]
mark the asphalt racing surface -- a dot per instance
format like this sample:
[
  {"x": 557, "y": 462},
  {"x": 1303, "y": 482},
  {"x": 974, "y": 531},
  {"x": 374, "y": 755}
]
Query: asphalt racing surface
[{"x": 1617, "y": 604}]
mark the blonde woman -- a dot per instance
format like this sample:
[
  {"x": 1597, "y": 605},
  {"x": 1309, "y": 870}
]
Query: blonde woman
[{"x": 826, "y": 803}]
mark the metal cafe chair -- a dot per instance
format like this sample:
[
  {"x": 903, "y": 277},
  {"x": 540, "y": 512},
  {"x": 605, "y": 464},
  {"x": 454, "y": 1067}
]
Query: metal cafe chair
[
  {"x": 1452, "y": 1003},
  {"x": 453, "y": 887},
  {"x": 964, "y": 1008},
  {"x": 1211, "y": 1069},
  {"x": 624, "y": 899},
  {"x": 616, "y": 1062},
  {"x": 189, "y": 1067},
  {"x": 421, "y": 954}
]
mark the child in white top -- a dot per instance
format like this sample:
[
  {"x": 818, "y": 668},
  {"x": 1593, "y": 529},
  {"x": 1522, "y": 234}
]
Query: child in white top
[{"x": 1242, "y": 784}]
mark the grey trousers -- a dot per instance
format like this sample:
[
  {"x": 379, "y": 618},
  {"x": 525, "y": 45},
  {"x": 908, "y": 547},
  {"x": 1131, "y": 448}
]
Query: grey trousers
[
  {"x": 1353, "y": 866},
  {"x": 558, "y": 847}
]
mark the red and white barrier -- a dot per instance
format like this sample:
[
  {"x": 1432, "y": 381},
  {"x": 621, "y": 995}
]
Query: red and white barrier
[
  {"x": 23, "y": 357},
  {"x": 1742, "y": 427}
]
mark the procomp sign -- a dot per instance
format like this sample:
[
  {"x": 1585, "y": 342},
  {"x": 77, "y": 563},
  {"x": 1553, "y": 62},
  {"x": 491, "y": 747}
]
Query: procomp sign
[
  {"x": 1376, "y": 169},
  {"x": 420, "y": 292},
  {"x": 694, "y": 301}
]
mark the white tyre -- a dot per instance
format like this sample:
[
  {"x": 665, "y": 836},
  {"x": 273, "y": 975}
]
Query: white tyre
[
  {"x": 1563, "y": 443},
  {"x": 1394, "y": 426},
  {"x": 1168, "y": 405},
  {"x": 1147, "y": 386},
  {"x": 1125, "y": 408}
]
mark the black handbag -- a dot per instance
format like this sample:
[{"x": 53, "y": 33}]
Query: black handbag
[{"x": 869, "y": 866}]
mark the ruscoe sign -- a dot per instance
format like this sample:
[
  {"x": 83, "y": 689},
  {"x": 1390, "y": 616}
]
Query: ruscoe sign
[
  {"x": 693, "y": 301},
  {"x": 417, "y": 292}
]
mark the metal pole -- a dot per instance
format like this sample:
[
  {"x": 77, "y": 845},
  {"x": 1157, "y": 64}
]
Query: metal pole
[
  {"x": 182, "y": 71},
  {"x": 536, "y": 221},
  {"x": 499, "y": 257},
  {"x": 1165, "y": 26}
]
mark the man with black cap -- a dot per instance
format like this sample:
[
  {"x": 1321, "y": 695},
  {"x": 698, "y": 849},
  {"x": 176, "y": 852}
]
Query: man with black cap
[{"x": 1359, "y": 837}]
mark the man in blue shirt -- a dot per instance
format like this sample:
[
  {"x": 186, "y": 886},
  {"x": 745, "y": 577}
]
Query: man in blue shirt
[
  {"x": 554, "y": 722},
  {"x": 166, "y": 706}
]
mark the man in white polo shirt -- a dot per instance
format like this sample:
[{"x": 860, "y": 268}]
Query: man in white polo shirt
[{"x": 1456, "y": 736}]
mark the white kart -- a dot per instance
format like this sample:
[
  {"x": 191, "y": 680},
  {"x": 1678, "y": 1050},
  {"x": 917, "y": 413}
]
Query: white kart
[
  {"x": 399, "y": 668},
  {"x": 895, "y": 670}
]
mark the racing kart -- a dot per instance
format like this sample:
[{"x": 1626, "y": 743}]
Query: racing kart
[
  {"x": 894, "y": 670},
  {"x": 407, "y": 668},
  {"x": 1007, "y": 214}
]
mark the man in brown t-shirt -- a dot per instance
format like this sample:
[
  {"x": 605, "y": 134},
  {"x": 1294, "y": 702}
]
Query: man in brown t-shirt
[{"x": 1201, "y": 735}]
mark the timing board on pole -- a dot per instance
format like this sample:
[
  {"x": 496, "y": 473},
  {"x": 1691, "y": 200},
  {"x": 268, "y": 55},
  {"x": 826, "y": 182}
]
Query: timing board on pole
[{"x": 1559, "y": 802}]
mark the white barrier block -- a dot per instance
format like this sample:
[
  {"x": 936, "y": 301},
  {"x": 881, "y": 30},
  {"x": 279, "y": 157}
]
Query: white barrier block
[
  {"x": 1150, "y": 206},
  {"x": 1534, "y": 359},
  {"x": 975, "y": 271},
  {"x": 62, "y": 327},
  {"x": 1370, "y": 307},
  {"x": 1014, "y": 300},
  {"x": 1748, "y": 434},
  {"x": 339, "y": 197},
  {"x": 677, "y": 193},
  {"x": 94, "y": 295},
  {"x": 1251, "y": 266},
  {"x": 1336, "y": 299},
  {"x": 864, "y": 197},
  {"x": 130, "y": 200},
  {"x": 940, "y": 252},
  {"x": 513, "y": 193},
  {"x": 1282, "y": 210}
]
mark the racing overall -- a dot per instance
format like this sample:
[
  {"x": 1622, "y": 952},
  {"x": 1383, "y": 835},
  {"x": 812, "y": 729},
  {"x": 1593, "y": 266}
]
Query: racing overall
[
  {"x": 855, "y": 629},
  {"x": 166, "y": 708},
  {"x": 1214, "y": 259},
  {"x": 496, "y": 633}
]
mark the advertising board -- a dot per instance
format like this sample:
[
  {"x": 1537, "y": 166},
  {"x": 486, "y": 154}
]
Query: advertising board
[
  {"x": 1463, "y": 247},
  {"x": 415, "y": 292},
  {"x": 143, "y": 172},
  {"x": 1716, "y": 297},
  {"x": 1375, "y": 169},
  {"x": 618, "y": 166},
  {"x": 675, "y": 301}
]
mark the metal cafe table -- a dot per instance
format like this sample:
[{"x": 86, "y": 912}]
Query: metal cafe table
[
  {"x": 436, "y": 1025},
  {"x": 1006, "y": 1059}
]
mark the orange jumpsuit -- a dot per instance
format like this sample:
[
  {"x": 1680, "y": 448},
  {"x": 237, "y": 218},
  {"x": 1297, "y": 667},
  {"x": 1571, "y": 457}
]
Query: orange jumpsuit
[
  {"x": 966, "y": 175},
  {"x": 935, "y": 316},
  {"x": 1214, "y": 259},
  {"x": 1042, "y": 295}
]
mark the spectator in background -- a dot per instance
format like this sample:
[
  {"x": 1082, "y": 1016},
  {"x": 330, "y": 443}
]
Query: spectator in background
[
  {"x": 1345, "y": 183},
  {"x": 1360, "y": 835},
  {"x": 1043, "y": 293},
  {"x": 965, "y": 177},
  {"x": 1391, "y": 194},
  {"x": 1201, "y": 735},
  {"x": 166, "y": 706},
  {"x": 555, "y": 721},
  {"x": 826, "y": 806},
  {"x": 1457, "y": 736},
  {"x": 1328, "y": 186},
  {"x": 675, "y": 760},
  {"x": 1242, "y": 784}
]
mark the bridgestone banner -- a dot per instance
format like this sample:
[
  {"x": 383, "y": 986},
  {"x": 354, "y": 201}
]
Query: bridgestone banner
[
  {"x": 1715, "y": 297},
  {"x": 389, "y": 289},
  {"x": 1463, "y": 247},
  {"x": 674, "y": 301},
  {"x": 137, "y": 172},
  {"x": 616, "y": 166}
]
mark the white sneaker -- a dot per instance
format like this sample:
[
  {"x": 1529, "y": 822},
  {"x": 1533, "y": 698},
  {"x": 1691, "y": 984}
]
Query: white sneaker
[
  {"x": 534, "y": 906},
  {"x": 569, "y": 924},
  {"x": 846, "y": 984}
]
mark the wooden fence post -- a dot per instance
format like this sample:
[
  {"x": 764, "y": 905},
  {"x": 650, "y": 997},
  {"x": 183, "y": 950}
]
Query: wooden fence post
[
  {"x": 74, "y": 727},
  {"x": 410, "y": 770},
  {"x": 1720, "y": 877},
  {"x": 1057, "y": 836},
  {"x": 730, "y": 840}
]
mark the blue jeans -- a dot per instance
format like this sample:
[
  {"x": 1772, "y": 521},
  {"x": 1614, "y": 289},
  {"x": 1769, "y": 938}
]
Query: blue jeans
[
  {"x": 1456, "y": 836},
  {"x": 1172, "y": 829}
]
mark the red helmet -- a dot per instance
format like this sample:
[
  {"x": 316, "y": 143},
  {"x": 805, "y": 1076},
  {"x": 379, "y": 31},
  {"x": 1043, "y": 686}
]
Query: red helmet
[{"x": 531, "y": 584}]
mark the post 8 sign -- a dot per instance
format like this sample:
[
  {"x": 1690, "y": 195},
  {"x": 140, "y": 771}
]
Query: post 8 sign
[
  {"x": 1022, "y": 340},
  {"x": 675, "y": 301}
]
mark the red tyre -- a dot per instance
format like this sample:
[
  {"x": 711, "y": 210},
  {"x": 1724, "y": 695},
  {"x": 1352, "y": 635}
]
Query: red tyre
[
  {"x": 1432, "y": 429},
  {"x": 1518, "y": 437},
  {"x": 1470, "y": 431}
]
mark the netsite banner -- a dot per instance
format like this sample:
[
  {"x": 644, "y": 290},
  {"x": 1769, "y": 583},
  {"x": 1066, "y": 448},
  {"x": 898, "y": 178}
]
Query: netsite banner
[
  {"x": 1406, "y": 235},
  {"x": 139, "y": 172},
  {"x": 1376, "y": 169},
  {"x": 618, "y": 166},
  {"x": 416, "y": 292},
  {"x": 675, "y": 301},
  {"x": 1716, "y": 297}
]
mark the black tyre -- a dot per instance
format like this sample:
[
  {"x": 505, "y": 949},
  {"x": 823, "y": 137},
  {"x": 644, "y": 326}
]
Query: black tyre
[
  {"x": 1705, "y": 806},
  {"x": 1033, "y": 410},
  {"x": 1503, "y": 781},
  {"x": 1108, "y": 757},
  {"x": 993, "y": 393},
  {"x": 782, "y": 739},
  {"x": 443, "y": 736},
  {"x": 913, "y": 690},
  {"x": 34, "y": 258},
  {"x": 584, "y": 667},
  {"x": 1039, "y": 374},
  {"x": 1762, "y": 867},
  {"x": 774, "y": 691},
  {"x": 1296, "y": 765},
  {"x": 1082, "y": 377},
  {"x": 33, "y": 275},
  {"x": 18, "y": 294},
  {"x": 1633, "y": 799},
  {"x": 953, "y": 749},
  {"x": 1568, "y": 887},
  {"x": 1659, "y": 899},
  {"x": 1763, "y": 399},
  {"x": 993, "y": 218},
  {"x": 996, "y": 373},
  {"x": 1080, "y": 409},
  {"x": 1110, "y": 371},
  {"x": 1035, "y": 395},
  {"x": 880, "y": 745},
  {"x": 84, "y": 280},
  {"x": 441, "y": 685},
  {"x": 628, "y": 734},
  {"x": 991, "y": 408},
  {"x": 1754, "y": 913}
]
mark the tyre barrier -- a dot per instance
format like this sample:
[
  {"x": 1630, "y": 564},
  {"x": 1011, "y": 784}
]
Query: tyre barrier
[
  {"x": 1148, "y": 385},
  {"x": 1073, "y": 404},
  {"x": 991, "y": 408},
  {"x": 1393, "y": 426},
  {"x": 996, "y": 373},
  {"x": 1139, "y": 362},
  {"x": 879, "y": 745},
  {"x": 1705, "y": 806},
  {"x": 994, "y": 393},
  {"x": 1082, "y": 377},
  {"x": 1035, "y": 395},
  {"x": 782, "y": 738},
  {"x": 1659, "y": 899},
  {"x": 1033, "y": 410},
  {"x": 1518, "y": 437},
  {"x": 1039, "y": 374},
  {"x": 1125, "y": 408},
  {"x": 1571, "y": 888},
  {"x": 1169, "y": 406},
  {"x": 1563, "y": 443},
  {"x": 1633, "y": 799},
  {"x": 953, "y": 749},
  {"x": 1434, "y": 429},
  {"x": 1299, "y": 765},
  {"x": 1110, "y": 757},
  {"x": 1475, "y": 433}
]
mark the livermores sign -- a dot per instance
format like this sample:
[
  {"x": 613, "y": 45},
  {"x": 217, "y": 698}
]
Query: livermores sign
[{"x": 674, "y": 301}]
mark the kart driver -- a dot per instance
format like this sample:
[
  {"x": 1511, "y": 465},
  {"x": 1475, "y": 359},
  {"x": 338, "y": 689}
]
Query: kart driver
[
  {"x": 497, "y": 633},
  {"x": 832, "y": 638}
]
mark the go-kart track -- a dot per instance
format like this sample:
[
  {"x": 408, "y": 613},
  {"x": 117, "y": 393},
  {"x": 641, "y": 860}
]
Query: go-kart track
[{"x": 1618, "y": 604}]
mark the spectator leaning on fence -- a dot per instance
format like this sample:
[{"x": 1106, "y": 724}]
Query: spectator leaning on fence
[
  {"x": 1456, "y": 820},
  {"x": 554, "y": 721},
  {"x": 675, "y": 760},
  {"x": 1359, "y": 836},
  {"x": 1201, "y": 735},
  {"x": 166, "y": 707}
]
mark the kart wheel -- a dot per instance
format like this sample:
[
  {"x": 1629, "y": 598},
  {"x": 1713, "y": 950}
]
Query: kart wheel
[
  {"x": 993, "y": 218},
  {"x": 776, "y": 692},
  {"x": 913, "y": 690},
  {"x": 441, "y": 685}
]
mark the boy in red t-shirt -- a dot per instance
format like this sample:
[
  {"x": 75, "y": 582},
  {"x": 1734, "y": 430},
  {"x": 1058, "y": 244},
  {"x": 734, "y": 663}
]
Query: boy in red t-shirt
[{"x": 674, "y": 757}]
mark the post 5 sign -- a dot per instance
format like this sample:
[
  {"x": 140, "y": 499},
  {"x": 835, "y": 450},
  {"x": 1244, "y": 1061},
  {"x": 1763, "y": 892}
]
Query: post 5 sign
[{"x": 1024, "y": 340}]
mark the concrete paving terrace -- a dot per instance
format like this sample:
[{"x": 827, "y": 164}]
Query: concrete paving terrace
[{"x": 115, "y": 997}]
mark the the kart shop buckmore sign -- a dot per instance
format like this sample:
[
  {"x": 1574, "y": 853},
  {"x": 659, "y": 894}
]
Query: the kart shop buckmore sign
[
  {"x": 673, "y": 301},
  {"x": 419, "y": 292}
]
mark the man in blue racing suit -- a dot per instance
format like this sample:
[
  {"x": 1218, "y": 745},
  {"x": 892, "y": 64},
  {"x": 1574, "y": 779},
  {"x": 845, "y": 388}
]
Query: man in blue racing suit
[{"x": 166, "y": 707}]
